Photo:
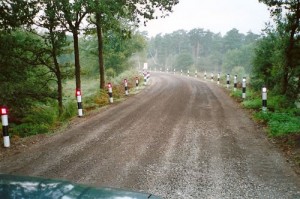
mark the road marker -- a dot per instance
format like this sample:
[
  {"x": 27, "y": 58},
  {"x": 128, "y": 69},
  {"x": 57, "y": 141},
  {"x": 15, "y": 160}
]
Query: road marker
[
  {"x": 188, "y": 73},
  {"x": 79, "y": 103},
  {"x": 235, "y": 83},
  {"x": 196, "y": 75},
  {"x": 137, "y": 82},
  {"x": 244, "y": 88},
  {"x": 181, "y": 72},
  {"x": 228, "y": 80},
  {"x": 218, "y": 78},
  {"x": 4, "y": 119},
  {"x": 111, "y": 99},
  {"x": 126, "y": 86},
  {"x": 212, "y": 77},
  {"x": 264, "y": 99},
  {"x": 205, "y": 75}
]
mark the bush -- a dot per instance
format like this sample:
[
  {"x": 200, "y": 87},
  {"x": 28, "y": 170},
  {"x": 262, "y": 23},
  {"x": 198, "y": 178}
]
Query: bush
[{"x": 280, "y": 123}]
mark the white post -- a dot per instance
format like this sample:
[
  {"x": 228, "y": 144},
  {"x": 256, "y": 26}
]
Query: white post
[
  {"x": 137, "y": 83},
  {"x": 228, "y": 80},
  {"x": 181, "y": 72},
  {"x": 79, "y": 103},
  {"x": 4, "y": 119},
  {"x": 212, "y": 77},
  {"x": 218, "y": 78},
  {"x": 264, "y": 99},
  {"x": 126, "y": 87},
  {"x": 196, "y": 75},
  {"x": 244, "y": 88},
  {"x": 205, "y": 75},
  {"x": 111, "y": 99},
  {"x": 235, "y": 83},
  {"x": 188, "y": 73}
]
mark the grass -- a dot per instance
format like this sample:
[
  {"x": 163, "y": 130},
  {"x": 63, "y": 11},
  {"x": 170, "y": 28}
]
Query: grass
[
  {"x": 44, "y": 118},
  {"x": 282, "y": 117}
]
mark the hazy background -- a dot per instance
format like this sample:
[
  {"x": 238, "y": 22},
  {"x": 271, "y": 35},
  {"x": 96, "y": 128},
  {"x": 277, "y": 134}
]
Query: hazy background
[{"x": 215, "y": 15}]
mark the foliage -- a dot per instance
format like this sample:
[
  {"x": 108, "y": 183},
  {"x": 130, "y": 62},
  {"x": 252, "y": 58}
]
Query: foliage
[
  {"x": 209, "y": 51},
  {"x": 280, "y": 123},
  {"x": 22, "y": 81}
]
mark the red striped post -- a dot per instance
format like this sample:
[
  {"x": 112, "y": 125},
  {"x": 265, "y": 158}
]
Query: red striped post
[
  {"x": 4, "y": 119},
  {"x": 79, "y": 103}
]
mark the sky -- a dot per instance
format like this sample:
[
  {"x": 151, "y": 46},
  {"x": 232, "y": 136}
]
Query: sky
[{"x": 218, "y": 16}]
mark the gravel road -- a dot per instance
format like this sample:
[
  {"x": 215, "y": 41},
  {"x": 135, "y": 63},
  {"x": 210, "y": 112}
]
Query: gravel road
[{"x": 178, "y": 138}]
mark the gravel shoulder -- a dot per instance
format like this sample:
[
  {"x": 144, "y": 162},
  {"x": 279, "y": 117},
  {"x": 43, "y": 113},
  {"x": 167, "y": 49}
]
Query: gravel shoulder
[{"x": 179, "y": 138}]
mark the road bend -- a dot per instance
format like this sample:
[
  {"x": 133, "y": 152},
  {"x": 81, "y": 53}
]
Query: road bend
[{"x": 180, "y": 137}]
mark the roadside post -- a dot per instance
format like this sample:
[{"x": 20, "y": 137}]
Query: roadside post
[
  {"x": 148, "y": 76},
  {"x": 126, "y": 86},
  {"x": 4, "y": 119},
  {"x": 264, "y": 99},
  {"x": 228, "y": 80},
  {"x": 110, "y": 94},
  {"x": 174, "y": 71},
  {"x": 244, "y": 88},
  {"x": 218, "y": 78},
  {"x": 137, "y": 82},
  {"x": 181, "y": 72},
  {"x": 188, "y": 73},
  {"x": 79, "y": 103},
  {"x": 196, "y": 75},
  {"x": 235, "y": 83},
  {"x": 205, "y": 75},
  {"x": 145, "y": 78},
  {"x": 212, "y": 77}
]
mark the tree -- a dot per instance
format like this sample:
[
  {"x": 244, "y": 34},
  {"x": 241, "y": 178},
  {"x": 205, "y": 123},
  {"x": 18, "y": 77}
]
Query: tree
[
  {"x": 287, "y": 15},
  {"x": 17, "y": 13},
  {"x": 55, "y": 41},
  {"x": 71, "y": 16}
]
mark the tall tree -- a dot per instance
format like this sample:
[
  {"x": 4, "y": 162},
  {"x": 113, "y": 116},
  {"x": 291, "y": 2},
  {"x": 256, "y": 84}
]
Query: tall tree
[
  {"x": 290, "y": 10},
  {"x": 71, "y": 15}
]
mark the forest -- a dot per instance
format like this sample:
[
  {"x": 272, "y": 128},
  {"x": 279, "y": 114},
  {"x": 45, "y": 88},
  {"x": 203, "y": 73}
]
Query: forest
[{"x": 50, "y": 49}]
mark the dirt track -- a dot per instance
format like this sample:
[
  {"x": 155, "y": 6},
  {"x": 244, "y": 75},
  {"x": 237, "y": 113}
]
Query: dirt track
[{"x": 179, "y": 138}]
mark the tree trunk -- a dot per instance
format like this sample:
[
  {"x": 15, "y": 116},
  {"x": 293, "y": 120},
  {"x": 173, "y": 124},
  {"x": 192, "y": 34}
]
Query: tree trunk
[
  {"x": 77, "y": 61},
  {"x": 100, "y": 51}
]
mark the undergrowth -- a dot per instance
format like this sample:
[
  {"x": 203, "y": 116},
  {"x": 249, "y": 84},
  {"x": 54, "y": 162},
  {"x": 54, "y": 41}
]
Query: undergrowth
[{"x": 44, "y": 118}]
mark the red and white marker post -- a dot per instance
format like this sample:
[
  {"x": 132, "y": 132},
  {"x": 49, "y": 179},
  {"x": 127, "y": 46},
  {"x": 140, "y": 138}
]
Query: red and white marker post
[
  {"x": 126, "y": 86},
  {"x": 4, "y": 119},
  {"x": 111, "y": 99},
  {"x": 79, "y": 103}
]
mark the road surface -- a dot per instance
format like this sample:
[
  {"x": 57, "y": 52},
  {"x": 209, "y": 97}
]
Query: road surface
[{"x": 180, "y": 137}]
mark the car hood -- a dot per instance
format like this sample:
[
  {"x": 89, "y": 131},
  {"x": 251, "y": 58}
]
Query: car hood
[{"x": 12, "y": 186}]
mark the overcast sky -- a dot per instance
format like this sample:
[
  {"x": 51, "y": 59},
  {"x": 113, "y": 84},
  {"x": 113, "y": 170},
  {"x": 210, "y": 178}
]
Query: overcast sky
[{"x": 214, "y": 15}]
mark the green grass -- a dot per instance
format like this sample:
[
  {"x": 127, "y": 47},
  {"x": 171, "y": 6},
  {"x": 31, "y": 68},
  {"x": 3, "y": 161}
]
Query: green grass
[
  {"x": 44, "y": 118},
  {"x": 282, "y": 118},
  {"x": 280, "y": 123}
]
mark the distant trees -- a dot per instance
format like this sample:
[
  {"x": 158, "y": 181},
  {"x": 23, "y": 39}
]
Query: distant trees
[{"x": 205, "y": 49}]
